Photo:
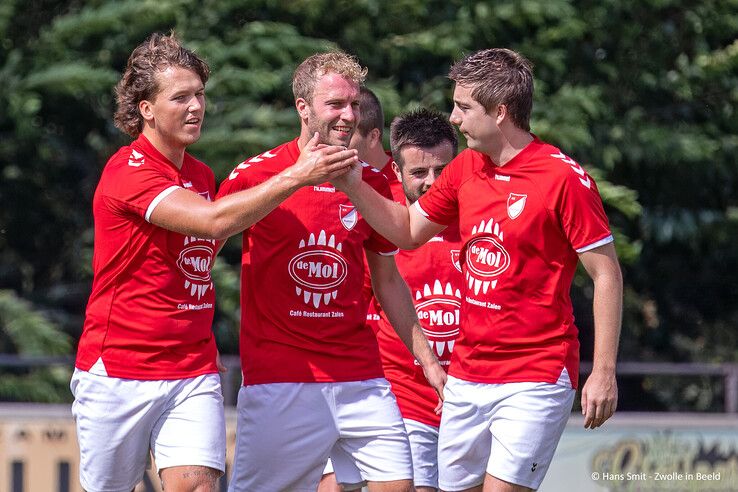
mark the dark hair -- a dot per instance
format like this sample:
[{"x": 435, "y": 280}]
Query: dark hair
[
  {"x": 139, "y": 83},
  {"x": 498, "y": 76},
  {"x": 422, "y": 128},
  {"x": 371, "y": 113},
  {"x": 319, "y": 64}
]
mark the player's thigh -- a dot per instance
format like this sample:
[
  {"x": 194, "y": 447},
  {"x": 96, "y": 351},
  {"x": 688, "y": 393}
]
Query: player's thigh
[
  {"x": 191, "y": 432},
  {"x": 284, "y": 434},
  {"x": 464, "y": 439},
  {"x": 114, "y": 420},
  {"x": 526, "y": 428},
  {"x": 190, "y": 479},
  {"x": 423, "y": 440},
  {"x": 372, "y": 431}
]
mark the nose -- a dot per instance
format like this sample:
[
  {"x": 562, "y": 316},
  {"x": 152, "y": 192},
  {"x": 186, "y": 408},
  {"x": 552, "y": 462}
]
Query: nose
[
  {"x": 350, "y": 113},
  {"x": 455, "y": 119},
  {"x": 196, "y": 104},
  {"x": 430, "y": 178}
]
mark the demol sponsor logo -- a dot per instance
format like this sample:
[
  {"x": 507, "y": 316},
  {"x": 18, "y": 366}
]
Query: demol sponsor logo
[
  {"x": 439, "y": 312},
  {"x": 318, "y": 270},
  {"x": 485, "y": 257},
  {"x": 195, "y": 261}
]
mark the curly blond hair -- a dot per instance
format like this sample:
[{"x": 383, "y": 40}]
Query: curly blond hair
[
  {"x": 315, "y": 66},
  {"x": 139, "y": 82}
]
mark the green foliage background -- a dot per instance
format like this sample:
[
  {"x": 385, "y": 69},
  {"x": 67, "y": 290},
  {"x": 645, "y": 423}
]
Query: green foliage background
[{"x": 642, "y": 93}]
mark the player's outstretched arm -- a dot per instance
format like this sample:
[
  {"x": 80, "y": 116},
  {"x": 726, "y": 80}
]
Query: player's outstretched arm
[
  {"x": 188, "y": 213},
  {"x": 600, "y": 392},
  {"x": 403, "y": 226},
  {"x": 394, "y": 296}
]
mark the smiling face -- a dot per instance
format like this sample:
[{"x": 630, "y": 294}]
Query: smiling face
[
  {"x": 333, "y": 112},
  {"x": 173, "y": 119},
  {"x": 421, "y": 166},
  {"x": 479, "y": 126}
]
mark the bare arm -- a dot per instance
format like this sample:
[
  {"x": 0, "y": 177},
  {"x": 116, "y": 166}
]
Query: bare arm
[
  {"x": 600, "y": 393},
  {"x": 403, "y": 226},
  {"x": 188, "y": 213},
  {"x": 393, "y": 295}
]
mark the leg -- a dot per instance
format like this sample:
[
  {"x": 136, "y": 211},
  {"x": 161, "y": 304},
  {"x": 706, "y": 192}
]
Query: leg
[
  {"x": 423, "y": 440},
  {"x": 190, "y": 479},
  {"x": 114, "y": 418},
  {"x": 392, "y": 486},
  {"x": 284, "y": 435},
  {"x": 373, "y": 434},
  {"x": 328, "y": 483},
  {"x": 464, "y": 439},
  {"x": 526, "y": 426},
  {"x": 493, "y": 484},
  {"x": 188, "y": 440}
]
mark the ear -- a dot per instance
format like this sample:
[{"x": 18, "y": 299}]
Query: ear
[
  {"x": 397, "y": 171},
  {"x": 146, "y": 109},
  {"x": 375, "y": 136},
  {"x": 302, "y": 108},
  {"x": 501, "y": 113}
]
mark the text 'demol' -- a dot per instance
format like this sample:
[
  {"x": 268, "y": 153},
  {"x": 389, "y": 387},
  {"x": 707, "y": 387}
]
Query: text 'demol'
[
  {"x": 195, "y": 262},
  {"x": 319, "y": 270},
  {"x": 486, "y": 257}
]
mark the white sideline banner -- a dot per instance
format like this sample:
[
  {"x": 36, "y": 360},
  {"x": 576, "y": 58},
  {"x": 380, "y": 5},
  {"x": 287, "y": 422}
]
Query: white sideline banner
[{"x": 643, "y": 452}]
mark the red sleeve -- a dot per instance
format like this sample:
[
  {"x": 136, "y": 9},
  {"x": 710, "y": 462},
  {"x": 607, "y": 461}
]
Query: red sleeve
[
  {"x": 136, "y": 190},
  {"x": 580, "y": 211},
  {"x": 440, "y": 204}
]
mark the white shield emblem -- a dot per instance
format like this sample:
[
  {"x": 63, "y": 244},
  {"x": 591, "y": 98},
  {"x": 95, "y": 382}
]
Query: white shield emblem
[
  {"x": 515, "y": 205},
  {"x": 455, "y": 258},
  {"x": 348, "y": 215}
]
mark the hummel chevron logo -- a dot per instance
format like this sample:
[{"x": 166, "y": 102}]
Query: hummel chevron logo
[
  {"x": 533, "y": 468},
  {"x": 254, "y": 160},
  {"x": 584, "y": 179}
]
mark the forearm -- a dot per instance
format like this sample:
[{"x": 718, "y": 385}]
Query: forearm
[
  {"x": 607, "y": 311},
  {"x": 234, "y": 213},
  {"x": 387, "y": 217},
  {"x": 396, "y": 302}
]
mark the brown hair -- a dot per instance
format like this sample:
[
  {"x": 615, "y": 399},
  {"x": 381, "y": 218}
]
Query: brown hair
[
  {"x": 371, "y": 113},
  {"x": 139, "y": 83},
  {"x": 319, "y": 64},
  {"x": 498, "y": 76},
  {"x": 422, "y": 128}
]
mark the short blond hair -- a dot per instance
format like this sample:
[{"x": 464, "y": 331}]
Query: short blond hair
[{"x": 315, "y": 66}]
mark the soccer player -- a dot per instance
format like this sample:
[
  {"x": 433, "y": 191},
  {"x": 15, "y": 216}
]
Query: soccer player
[
  {"x": 146, "y": 375},
  {"x": 313, "y": 382},
  {"x": 527, "y": 213}
]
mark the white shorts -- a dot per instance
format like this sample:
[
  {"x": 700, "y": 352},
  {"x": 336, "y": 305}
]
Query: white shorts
[
  {"x": 118, "y": 420},
  {"x": 286, "y": 431},
  {"x": 424, "y": 448},
  {"x": 508, "y": 430},
  {"x": 423, "y": 440}
]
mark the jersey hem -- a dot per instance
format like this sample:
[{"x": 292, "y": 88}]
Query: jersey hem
[
  {"x": 152, "y": 376},
  {"x": 161, "y": 196},
  {"x": 596, "y": 244}
]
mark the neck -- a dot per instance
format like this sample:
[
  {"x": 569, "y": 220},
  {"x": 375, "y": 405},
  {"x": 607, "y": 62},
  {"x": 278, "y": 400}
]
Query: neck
[
  {"x": 175, "y": 153},
  {"x": 514, "y": 141},
  {"x": 376, "y": 157}
]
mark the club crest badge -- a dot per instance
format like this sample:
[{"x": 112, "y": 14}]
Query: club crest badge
[
  {"x": 456, "y": 258},
  {"x": 348, "y": 215},
  {"x": 515, "y": 205}
]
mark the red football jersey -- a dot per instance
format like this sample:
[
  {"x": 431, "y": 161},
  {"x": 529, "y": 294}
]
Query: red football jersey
[
  {"x": 522, "y": 226},
  {"x": 150, "y": 312},
  {"x": 302, "y": 309},
  {"x": 433, "y": 274}
]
